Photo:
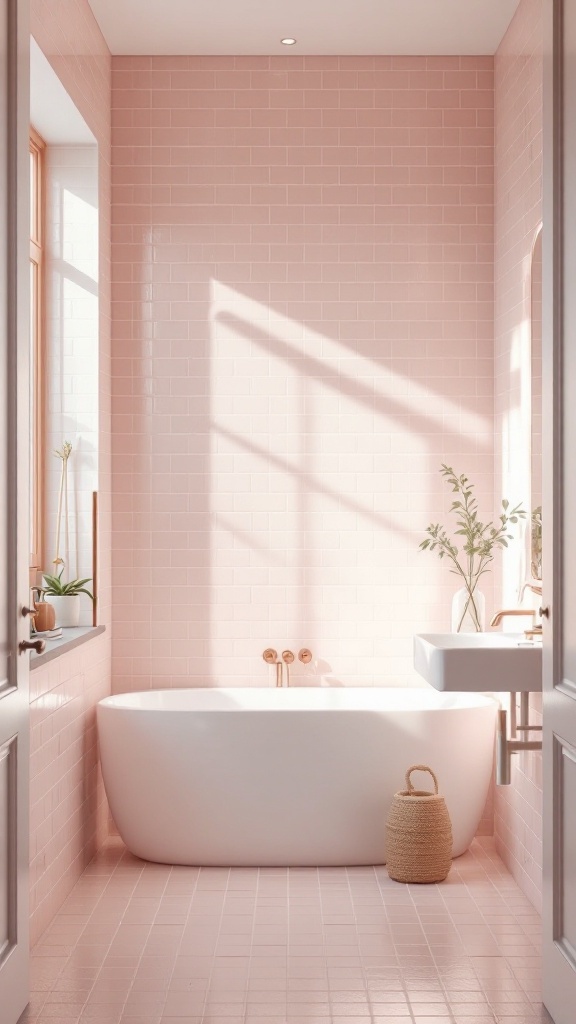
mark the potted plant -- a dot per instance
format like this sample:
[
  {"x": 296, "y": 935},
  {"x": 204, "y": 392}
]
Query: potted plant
[
  {"x": 65, "y": 597},
  {"x": 479, "y": 541}
]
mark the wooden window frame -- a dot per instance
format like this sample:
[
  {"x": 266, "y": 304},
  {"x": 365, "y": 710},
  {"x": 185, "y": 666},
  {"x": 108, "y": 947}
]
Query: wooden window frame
[{"x": 37, "y": 351}]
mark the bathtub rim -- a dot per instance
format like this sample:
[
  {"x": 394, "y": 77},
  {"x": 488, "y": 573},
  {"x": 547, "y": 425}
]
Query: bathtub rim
[{"x": 436, "y": 702}]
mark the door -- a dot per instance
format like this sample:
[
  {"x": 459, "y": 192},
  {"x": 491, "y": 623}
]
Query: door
[
  {"x": 14, "y": 543},
  {"x": 559, "y": 512}
]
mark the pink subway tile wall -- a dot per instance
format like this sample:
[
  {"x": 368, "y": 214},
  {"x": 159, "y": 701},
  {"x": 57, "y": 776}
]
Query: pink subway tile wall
[
  {"x": 68, "y": 811},
  {"x": 303, "y": 333},
  {"x": 486, "y": 824},
  {"x": 518, "y": 817},
  {"x": 518, "y": 211}
]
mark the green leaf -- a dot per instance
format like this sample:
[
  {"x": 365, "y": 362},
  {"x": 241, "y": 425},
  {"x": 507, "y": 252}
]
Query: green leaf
[
  {"x": 54, "y": 584},
  {"x": 56, "y": 588},
  {"x": 479, "y": 538}
]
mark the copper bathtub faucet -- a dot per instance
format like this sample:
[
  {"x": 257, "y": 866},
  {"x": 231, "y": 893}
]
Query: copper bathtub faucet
[{"x": 271, "y": 658}]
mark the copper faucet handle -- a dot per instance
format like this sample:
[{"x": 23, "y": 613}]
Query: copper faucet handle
[
  {"x": 288, "y": 657},
  {"x": 537, "y": 631},
  {"x": 305, "y": 656},
  {"x": 270, "y": 656}
]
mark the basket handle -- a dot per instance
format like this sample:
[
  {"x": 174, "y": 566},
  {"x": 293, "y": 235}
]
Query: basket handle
[{"x": 420, "y": 768}]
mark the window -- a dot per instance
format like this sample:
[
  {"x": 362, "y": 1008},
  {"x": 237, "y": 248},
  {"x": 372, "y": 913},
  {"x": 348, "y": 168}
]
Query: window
[{"x": 37, "y": 150}]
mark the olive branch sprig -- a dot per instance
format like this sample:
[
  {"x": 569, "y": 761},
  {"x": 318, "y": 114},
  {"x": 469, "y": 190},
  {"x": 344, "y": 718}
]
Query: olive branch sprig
[
  {"x": 64, "y": 454},
  {"x": 479, "y": 539}
]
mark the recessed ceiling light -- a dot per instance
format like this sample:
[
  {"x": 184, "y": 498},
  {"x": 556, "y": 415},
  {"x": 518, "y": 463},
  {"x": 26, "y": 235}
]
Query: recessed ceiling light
[{"x": 288, "y": 41}]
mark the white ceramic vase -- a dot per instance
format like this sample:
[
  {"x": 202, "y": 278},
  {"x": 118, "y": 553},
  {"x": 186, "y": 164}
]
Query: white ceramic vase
[
  {"x": 468, "y": 611},
  {"x": 67, "y": 608}
]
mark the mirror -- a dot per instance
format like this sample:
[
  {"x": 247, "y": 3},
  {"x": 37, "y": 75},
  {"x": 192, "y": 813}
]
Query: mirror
[{"x": 536, "y": 401}]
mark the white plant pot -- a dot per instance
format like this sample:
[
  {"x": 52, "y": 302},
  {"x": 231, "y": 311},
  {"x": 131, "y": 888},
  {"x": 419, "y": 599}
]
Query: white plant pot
[{"x": 67, "y": 608}]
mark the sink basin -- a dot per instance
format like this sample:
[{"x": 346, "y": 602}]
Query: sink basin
[{"x": 478, "y": 662}]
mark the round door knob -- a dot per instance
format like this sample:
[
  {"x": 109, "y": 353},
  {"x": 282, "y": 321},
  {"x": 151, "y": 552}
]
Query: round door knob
[
  {"x": 32, "y": 645},
  {"x": 28, "y": 611},
  {"x": 545, "y": 612}
]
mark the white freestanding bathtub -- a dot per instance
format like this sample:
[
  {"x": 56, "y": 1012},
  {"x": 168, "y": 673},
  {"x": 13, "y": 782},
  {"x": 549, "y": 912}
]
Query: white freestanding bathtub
[{"x": 300, "y": 776}]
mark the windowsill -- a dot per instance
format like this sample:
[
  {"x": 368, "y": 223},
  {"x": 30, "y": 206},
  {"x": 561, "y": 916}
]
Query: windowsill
[{"x": 71, "y": 637}]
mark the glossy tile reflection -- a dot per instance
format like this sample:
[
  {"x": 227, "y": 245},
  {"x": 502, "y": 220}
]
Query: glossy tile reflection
[{"x": 152, "y": 944}]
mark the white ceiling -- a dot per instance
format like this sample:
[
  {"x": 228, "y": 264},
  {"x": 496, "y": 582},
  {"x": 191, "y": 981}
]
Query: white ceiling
[{"x": 320, "y": 26}]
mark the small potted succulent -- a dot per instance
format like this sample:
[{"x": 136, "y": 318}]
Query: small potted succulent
[{"x": 65, "y": 597}]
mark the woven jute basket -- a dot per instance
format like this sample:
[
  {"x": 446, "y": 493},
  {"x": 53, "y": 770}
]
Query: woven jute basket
[{"x": 418, "y": 833}]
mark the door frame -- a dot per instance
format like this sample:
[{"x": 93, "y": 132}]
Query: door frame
[
  {"x": 559, "y": 971},
  {"x": 14, "y": 702}
]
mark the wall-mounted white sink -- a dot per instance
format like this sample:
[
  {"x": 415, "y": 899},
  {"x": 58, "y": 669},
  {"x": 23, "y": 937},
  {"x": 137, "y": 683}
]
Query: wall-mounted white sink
[{"x": 479, "y": 661}]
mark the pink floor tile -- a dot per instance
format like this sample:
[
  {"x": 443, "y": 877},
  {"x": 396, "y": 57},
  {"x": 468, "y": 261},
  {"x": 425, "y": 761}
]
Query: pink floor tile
[{"x": 160, "y": 945}]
